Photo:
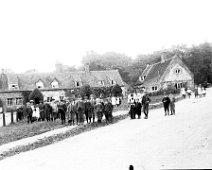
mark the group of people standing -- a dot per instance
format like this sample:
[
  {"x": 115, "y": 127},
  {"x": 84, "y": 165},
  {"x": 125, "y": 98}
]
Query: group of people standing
[
  {"x": 136, "y": 102},
  {"x": 75, "y": 111}
]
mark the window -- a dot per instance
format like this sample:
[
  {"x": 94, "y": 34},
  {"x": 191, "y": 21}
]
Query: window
[
  {"x": 61, "y": 98},
  {"x": 49, "y": 99},
  {"x": 101, "y": 82},
  {"x": 177, "y": 71},
  {"x": 144, "y": 77},
  {"x": 77, "y": 83},
  {"x": 55, "y": 84},
  {"x": 113, "y": 82},
  {"x": 39, "y": 84},
  {"x": 18, "y": 101},
  {"x": 154, "y": 88},
  {"x": 178, "y": 85},
  {"x": 13, "y": 86},
  {"x": 9, "y": 101}
]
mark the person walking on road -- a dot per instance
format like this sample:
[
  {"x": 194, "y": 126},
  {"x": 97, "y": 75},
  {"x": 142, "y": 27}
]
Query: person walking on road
[
  {"x": 172, "y": 104},
  {"x": 166, "y": 103},
  {"x": 145, "y": 103}
]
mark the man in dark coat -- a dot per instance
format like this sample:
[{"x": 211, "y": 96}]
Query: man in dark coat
[
  {"x": 47, "y": 111},
  {"x": 88, "y": 110},
  {"x": 166, "y": 103},
  {"x": 80, "y": 107},
  {"x": 62, "y": 110},
  {"x": 29, "y": 113},
  {"x": 42, "y": 112},
  {"x": 138, "y": 107},
  {"x": 131, "y": 102},
  {"x": 145, "y": 103},
  {"x": 98, "y": 110},
  {"x": 108, "y": 109}
]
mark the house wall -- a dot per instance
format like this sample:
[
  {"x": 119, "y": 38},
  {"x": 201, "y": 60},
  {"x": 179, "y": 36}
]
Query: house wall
[
  {"x": 5, "y": 95},
  {"x": 55, "y": 94},
  {"x": 171, "y": 78}
]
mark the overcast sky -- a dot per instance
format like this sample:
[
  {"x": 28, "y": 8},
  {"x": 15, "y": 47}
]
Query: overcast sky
[{"x": 34, "y": 34}]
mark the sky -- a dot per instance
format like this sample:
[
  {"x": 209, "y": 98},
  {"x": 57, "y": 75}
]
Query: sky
[{"x": 36, "y": 34}]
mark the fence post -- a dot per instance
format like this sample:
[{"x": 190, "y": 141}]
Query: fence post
[
  {"x": 4, "y": 122},
  {"x": 12, "y": 120}
]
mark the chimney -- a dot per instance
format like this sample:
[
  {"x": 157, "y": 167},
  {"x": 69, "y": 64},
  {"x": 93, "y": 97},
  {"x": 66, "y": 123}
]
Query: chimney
[
  {"x": 163, "y": 57},
  {"x": 87, "y": 69}
]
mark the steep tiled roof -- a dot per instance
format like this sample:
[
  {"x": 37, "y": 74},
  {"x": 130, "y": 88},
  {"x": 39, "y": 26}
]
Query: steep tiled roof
[
  {"x": 65, "y": 80},
  {"x": 155, "y": 72}
]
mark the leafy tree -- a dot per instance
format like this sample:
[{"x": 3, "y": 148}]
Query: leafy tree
[
  {"x": 25, "y": 95},
  {"x": 116, "y": 90},
  {"x": 85, "y": 90},
  {"x": 36, "y": 96}
]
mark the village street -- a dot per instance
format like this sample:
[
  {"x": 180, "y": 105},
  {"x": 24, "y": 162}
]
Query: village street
[{"x": 180, "y": 141}]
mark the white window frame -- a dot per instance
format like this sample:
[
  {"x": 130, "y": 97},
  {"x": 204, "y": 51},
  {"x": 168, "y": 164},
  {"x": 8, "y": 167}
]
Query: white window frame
[
  {"x": 177, "y": 71},
  {"x": 154, "y": 88},
  {"x": 77, "y": 83},
  {"x": 18, "y": 101},
  {"x": 9, "y": 101}
]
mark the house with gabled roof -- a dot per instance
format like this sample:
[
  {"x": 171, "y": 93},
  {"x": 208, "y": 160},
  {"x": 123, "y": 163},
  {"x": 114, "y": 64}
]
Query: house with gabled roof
[
  {"x": 170, "y": 72},
  {"x": 55, "y": 84}
]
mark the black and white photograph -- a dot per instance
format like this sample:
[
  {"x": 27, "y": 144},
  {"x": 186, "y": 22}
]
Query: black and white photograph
[{"x": 105, "y": 84}]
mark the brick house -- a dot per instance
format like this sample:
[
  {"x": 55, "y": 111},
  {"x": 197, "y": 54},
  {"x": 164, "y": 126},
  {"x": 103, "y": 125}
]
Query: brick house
[{"x": 170, "y": 72}]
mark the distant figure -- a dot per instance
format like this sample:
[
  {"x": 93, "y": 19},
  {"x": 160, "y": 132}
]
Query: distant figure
[
  {"x": 131, "y": 102},
  {"x": 29, "y": 113},
  {"x": 189, "y": 93},
  {"x": 172, "y": 104},
  {"x": 203, "y": 92},
  {"x": 138, "y": 107},
  {"x": 196, "y": 92},
  {"x": 199, "y": 91},
  {"x": 166, "y": 103},
  {"x": 145, "y": 103},
  {"x": 183, "y": 92}
]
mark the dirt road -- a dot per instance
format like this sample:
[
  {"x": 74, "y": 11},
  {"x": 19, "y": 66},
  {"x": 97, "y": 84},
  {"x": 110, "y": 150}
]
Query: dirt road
[{"x": 181, "y": 141}]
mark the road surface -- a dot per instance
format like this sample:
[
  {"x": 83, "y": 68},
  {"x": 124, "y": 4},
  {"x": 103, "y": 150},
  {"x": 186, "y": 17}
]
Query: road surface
[{"x": 181, "y": 141}]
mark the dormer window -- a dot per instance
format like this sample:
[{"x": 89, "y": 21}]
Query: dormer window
[
  {"x": 13, "y": 86},
  {"x": 40, "y": 84},
  {"x": 55, "y": 84}
]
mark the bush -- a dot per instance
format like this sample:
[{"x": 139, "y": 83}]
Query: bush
[{"x": 36, "y": 96}]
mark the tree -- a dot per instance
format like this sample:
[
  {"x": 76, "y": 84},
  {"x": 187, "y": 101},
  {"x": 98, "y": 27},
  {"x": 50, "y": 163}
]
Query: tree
[
  {"x": 85, "y": 90},
  {"x": 116, "y": 90},
  {"x": 25, "y": 95},
  {"x": 36, "y": 96}
]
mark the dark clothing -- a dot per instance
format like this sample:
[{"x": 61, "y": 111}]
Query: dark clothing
[
  {"x": 80, "y": 107},
  {"x": 172, "y": 106},
  {"x": 42, "y": 111},
  {"x": 88, "y": 111},
  {"x": 108, "y": 109},
  {"x": 29, "y": 114},
  {"x": 47, "y": 111},
  {"x": 166, "y": 103},
  {"x": 98, "y": 110},
  {"x": 145, "y": 103},
  {"x": 138, "y": 107}
]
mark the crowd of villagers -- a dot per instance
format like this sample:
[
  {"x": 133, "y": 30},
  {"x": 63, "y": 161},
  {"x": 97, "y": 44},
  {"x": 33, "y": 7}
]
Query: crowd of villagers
[{"x": 74, "y": 111}]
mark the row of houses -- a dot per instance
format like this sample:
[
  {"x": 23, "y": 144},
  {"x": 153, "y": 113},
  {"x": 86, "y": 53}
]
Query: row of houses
[
  {"x": 54, "y": 84},
  {"x": 170, "y": 72}
]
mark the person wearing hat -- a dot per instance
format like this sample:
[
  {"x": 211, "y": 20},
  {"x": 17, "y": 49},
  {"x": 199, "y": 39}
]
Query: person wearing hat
[
  {"x": 108, "y": 109},
  {"x": 29, "y": 113},
  {"x": 98, "y": 110},
  {"x": 88, "y": 110},
  {"x": 145, "y": 103},
  {"x": 80, "y": 107},
  {"x": 166, "y": 103}
]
